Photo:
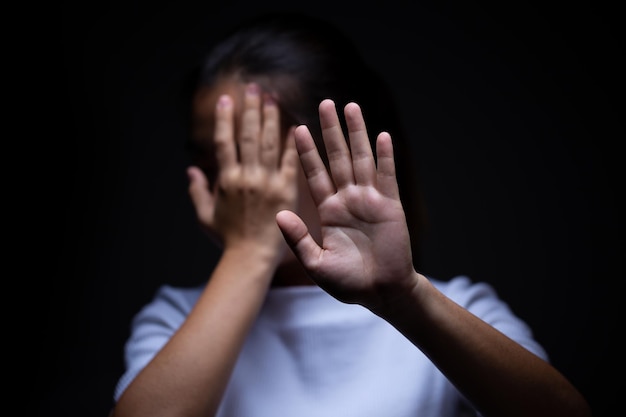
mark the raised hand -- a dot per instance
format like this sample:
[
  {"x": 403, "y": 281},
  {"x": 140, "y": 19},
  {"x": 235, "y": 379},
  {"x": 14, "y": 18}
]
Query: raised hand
[
  {"x": 256, "y": 174},
  {"x": 365, "y": 253}
]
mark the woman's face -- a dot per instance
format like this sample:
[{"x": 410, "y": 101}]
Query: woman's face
[{"x": 202, "y": 146}]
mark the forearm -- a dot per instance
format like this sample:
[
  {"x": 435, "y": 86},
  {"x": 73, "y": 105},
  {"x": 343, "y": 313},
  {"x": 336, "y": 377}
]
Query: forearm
[
  {"x": 499, "y": 376},
  {"x": 189, "y": 375}
]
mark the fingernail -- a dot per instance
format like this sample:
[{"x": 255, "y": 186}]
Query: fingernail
[
  {"x": 268, "y": 100},
  {"x": 224, "y": 101},
  {"x": 252, "y": 89}
]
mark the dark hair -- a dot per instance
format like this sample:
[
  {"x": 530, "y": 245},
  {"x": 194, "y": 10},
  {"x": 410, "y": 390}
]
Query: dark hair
[{"x": 303, "y": 60}]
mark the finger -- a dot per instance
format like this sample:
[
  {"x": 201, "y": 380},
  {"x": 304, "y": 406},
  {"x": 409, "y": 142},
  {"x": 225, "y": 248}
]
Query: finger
[
  {"x": 363, "y": 164},
  {"x": 225, "y": 150},
  {"x": 320, "y": 183},
  {"x": 270, "y": 136},
  {"x": 289, "y": 162},
  {"x": 201, "y": 197},
  {"x": 298, "y": 238},
  {"x": 386, "y": 180},
  {"x": 250, "y": 125},
  {"x": 336, "y": 146}
]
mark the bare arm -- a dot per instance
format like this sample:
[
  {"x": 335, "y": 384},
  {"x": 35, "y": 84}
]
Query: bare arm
[
  {"x": 189, "y": 375},
  {"x": 365, "y": 258}
]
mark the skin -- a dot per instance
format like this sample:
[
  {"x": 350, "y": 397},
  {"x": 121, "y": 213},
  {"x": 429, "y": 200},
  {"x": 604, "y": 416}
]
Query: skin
[
  {"x": 289, "y": 270},
  {"x": 365, "y": 258},
  {"x": 347, "y": 232}
]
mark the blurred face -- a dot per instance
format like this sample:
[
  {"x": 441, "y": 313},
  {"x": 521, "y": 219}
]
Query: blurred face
[{"x": 202, "y": 145}]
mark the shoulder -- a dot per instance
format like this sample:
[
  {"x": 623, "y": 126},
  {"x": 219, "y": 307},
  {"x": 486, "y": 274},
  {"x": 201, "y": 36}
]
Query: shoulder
[
  {"x": 181, "y": 297},
  {"x": 482, "y": 300},
  {"x": 153, "y": 326},
  {"x": 466, "y": 292},
  {"x": 478, "y": 297},
  {"x": 169, "y": 306}
]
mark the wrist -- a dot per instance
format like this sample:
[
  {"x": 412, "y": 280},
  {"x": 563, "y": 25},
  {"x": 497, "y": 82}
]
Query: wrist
[
  {"x": 253, "y": 254},
  {"x": 398, "y": 302}
]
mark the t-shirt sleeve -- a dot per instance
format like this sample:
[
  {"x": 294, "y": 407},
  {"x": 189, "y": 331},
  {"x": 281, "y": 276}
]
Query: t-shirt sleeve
[
  {"x": 151, "y": 328},
  {"x": 481, "y": 299}
]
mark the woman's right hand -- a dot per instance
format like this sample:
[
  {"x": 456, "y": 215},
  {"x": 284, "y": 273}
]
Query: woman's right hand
[{"x": 257, "y": 175}]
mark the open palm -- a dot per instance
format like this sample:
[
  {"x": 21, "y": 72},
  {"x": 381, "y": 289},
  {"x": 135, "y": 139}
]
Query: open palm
[{"x": 365, "y": 246}]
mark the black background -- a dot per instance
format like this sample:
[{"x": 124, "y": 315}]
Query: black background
[{"x": 516, "y": 116}]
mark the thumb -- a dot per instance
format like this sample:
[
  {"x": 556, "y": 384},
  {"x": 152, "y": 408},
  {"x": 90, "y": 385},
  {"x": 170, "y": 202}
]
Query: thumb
[
  {"x": 298, "y": 238},
  {"x": 202, "y": 199}
]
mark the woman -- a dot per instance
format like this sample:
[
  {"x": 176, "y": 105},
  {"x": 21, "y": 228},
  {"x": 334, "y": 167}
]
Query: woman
[{"x": 315, "y": 307}]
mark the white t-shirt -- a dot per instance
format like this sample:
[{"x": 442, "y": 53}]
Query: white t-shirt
[{"x": 309, "y": 354}]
